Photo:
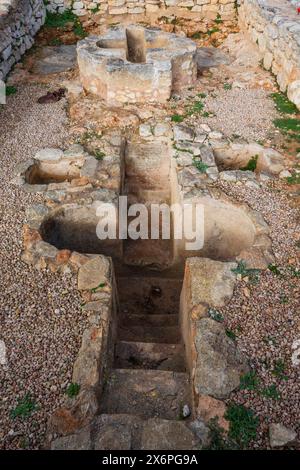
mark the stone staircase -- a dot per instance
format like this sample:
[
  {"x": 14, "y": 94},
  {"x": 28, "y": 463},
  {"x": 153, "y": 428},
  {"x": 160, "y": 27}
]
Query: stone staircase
[{"x": 142, "y": 403}]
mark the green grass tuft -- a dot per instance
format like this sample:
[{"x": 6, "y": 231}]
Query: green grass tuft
[
  {"x": 202, "y": 167},
  {"x": 283, "y": 104},
  {"x": 249, "y": 381},
  {"x": 227, "y": 86},
  {"x": 251, "y": 165},
  {"x": 10, "y": 90},
  {"x": 24, "y": 408},
  {"x": 243, "y": 424},
  {"x": 177, "y": 118},
  {"x": 59, "y": 20},
  {"x": 288, "y": 124},
  {"x": 271, "y": 392},
  {"x": 73, "y": 390},
  {"x": 230, "y": 334},
  {"x": 215, "y": 315}
]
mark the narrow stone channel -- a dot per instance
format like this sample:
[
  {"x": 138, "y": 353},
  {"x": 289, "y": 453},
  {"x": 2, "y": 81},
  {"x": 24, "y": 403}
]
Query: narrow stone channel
[{"x": 149, "y": 377}]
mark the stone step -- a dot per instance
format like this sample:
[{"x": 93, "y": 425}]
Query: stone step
[
  {"x": 156, "y": 254},
  {"x": 149, "y": 334},
  {"x": 129, "y": 432},
  {"x": 146, "y": 393},
  {"x": 148, "y": 320},
  {"x": 133, "y": 355},
  {"x": 150, "y": 294}
]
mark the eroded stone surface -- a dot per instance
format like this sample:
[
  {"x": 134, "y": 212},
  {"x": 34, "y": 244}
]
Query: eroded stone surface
[
  {"x": 219, "y": 364},
  {"x": 94, "y": 273},
  {"x": 160, "y": 434},
  {"x": 210, "y": 408},
  {"x": 211, "y": 282},
  {"x": 55, "y": 59},
  {"x": 281, "y": 435},
  {"x": 78, "y": 441}
]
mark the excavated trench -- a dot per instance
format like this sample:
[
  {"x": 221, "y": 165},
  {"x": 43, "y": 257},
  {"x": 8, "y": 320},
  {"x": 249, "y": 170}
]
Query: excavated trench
[{"x": 150, "y": 376}]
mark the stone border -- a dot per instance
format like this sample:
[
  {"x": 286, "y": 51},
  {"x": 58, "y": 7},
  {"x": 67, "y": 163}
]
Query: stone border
[
  {"x": 195, "y": 9},
  {"x": 97, "y": 178},
  {"x": 214, "y": 361},
  {"x": 96, "y": 284},
  {"x": 213, "y": 149},
  {"x": 276, "y": 31},
  {"x": 20, "y": 20}
]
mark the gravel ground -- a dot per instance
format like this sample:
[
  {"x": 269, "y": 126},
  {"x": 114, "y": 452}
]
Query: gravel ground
[
  {"x": 265, "y": 316},
  {"x": 41, "y": 321},
  {"x": 246, "y": 113}
]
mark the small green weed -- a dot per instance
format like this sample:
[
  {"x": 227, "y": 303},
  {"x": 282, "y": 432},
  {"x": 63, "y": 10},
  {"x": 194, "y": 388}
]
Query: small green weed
[
  {"x": 218, "y": 19},
  {"x": 59, "y": 20},
  {"x": 243, "y": 271},
  {"x": 202, "y": 167},
  {"x": 24, "y": 408},
  {"x": 271, "y": 392},
  {"x": 95, "y": 289},
  {"x": 218, "y": 438},
  {"x": 294, "y": 179},
  {"x": 196, "y": 35},
  {"x": 251, "y": 165},
  {"x": 249, "y": 381},
  {"x": 56, "y": 42},
  {"x": 243, "y": 424},
  {"x": 227, "y": 86},
  {"x": 10, "y": 90},
  {"x": 215, "y": 315},
  {"x": 283, "y": 104},
  {"x": 212, "y": 31},
  {"x": 230, "y": 334},
  {"x": 73, "y": 390},
  {"x": 279, "y": 370},
  {"x": 177, "y": 118},
  {"x": 288, "y": 124},
  {"x": 98, "y": 154},
  {"x": 274, "y": 269}
]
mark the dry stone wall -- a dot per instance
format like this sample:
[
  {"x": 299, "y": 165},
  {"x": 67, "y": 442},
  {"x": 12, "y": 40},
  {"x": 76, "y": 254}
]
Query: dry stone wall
[
  {"x": 275, "y": 27},
  {"x": 19, "y": 22},
  {"x": 195, "y": 8}
]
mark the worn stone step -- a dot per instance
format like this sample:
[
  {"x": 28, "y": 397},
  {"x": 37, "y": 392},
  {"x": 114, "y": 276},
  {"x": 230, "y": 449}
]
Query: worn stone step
[
  {"x": 149, "y": 320},
  {"x": 156, "y": 254},
  {"x": 146, "y": 393},
  {"x": 149, "y": 334},
  {"x": 136, "y": 355},
  {"x": 150, "y": 294},
  {"x": 129, "y": 432}
]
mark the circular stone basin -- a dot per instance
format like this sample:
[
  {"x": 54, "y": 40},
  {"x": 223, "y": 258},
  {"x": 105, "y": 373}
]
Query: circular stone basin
[{"x": 135, "y": 64}]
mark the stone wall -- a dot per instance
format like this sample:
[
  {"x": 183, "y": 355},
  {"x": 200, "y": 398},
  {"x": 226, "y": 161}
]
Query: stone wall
[
  {"x": 193, "y": 8},
  {"x": 274, "y": 27},
  {"x": 19, "y": 22}
]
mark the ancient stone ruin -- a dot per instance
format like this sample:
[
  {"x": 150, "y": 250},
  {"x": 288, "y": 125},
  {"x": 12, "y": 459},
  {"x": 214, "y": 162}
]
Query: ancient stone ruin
[
  {"x": 134, "y": 64},
  {"x": 169, "y": 339}
]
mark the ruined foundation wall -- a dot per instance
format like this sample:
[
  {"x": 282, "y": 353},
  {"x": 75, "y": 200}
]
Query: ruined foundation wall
[
  {"x": 19, "y": 22},
  {"x": 275, "y": 28},
  {"x": 196, "y": 9}
]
